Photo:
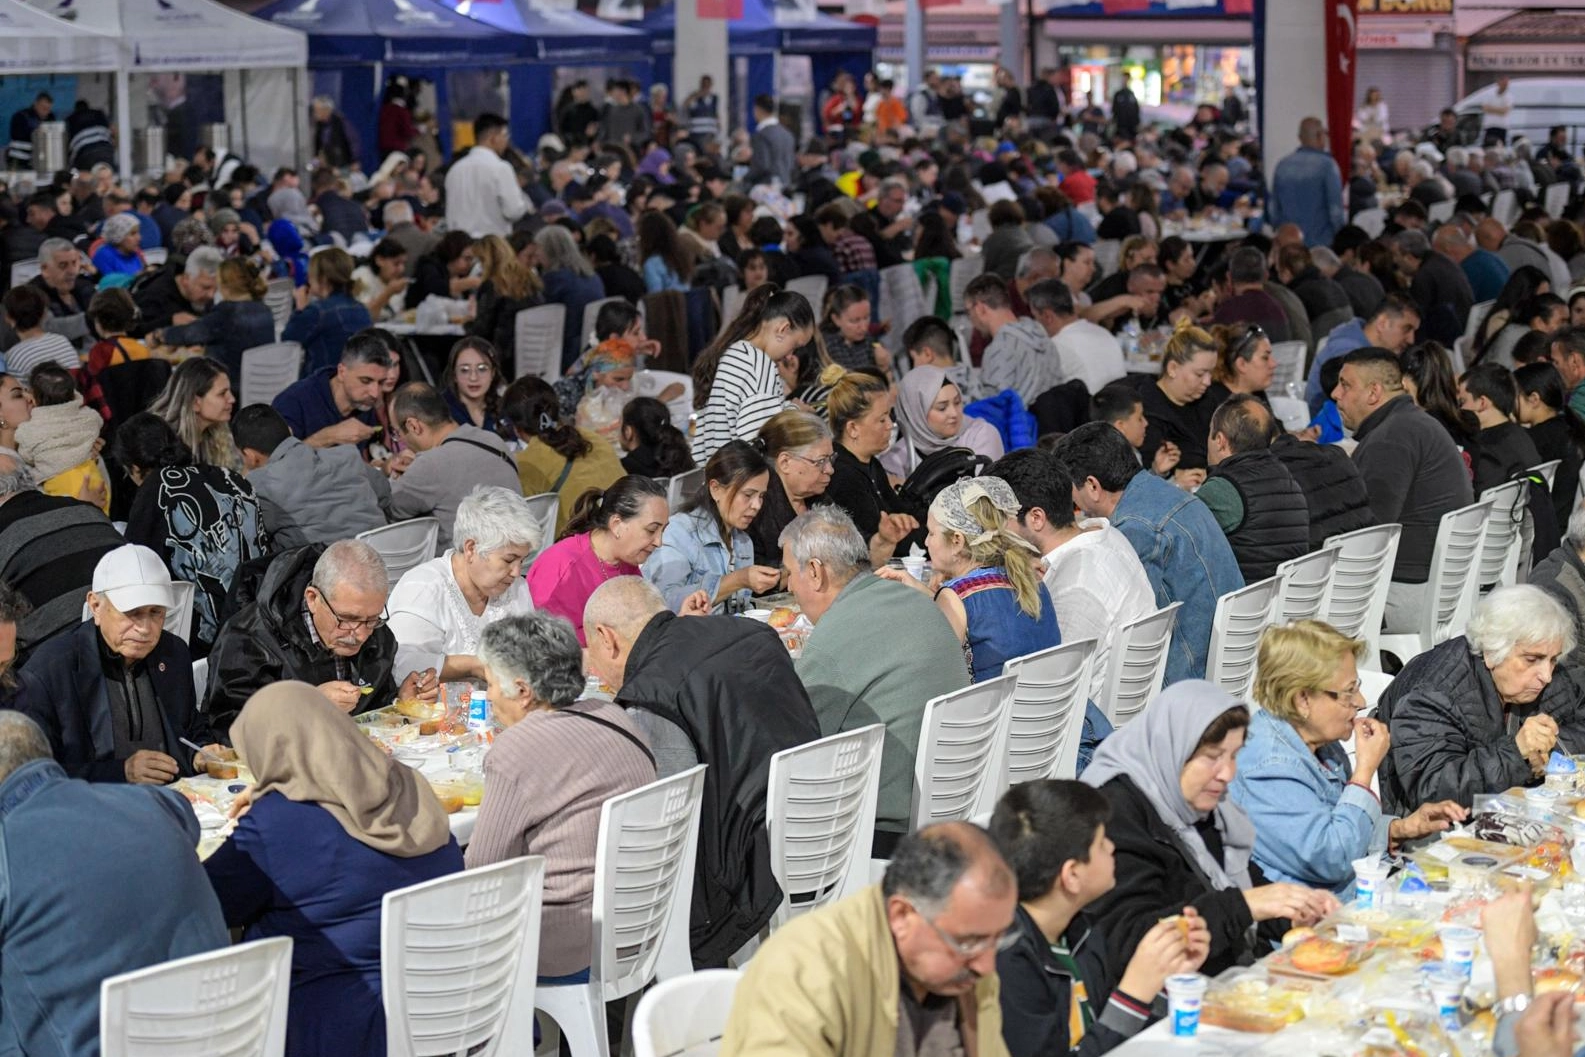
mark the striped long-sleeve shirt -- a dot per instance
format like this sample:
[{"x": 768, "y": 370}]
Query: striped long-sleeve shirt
[{"x": 745, "y": 395}]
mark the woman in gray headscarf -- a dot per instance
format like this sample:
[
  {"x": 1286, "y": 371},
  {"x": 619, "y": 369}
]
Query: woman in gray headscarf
[
  {"x": 1179, "y": 840},
  {"x": 288, "y": 203},
  {"x": 930, "y": 417},
  {"x": 120, "y": 251}
]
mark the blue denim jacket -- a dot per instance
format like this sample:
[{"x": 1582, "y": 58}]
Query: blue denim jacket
[
  {"x": 1187, "y": 559},
  {"x": 691, "y": 557},
  {"x": 1310, "y": 824},
  {"x": 1307, "y": 190},
  {"x": 322, "y": 327}
]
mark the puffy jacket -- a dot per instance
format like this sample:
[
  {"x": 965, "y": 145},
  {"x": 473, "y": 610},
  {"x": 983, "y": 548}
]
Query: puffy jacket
[
  {"x": 1276, "y": 522},
  {"x": 1333, "y": 490},
  {"x": 730, "y": 686},
  {"x": 268, "y": 640},
  {"x": 1449, "y": 732}
]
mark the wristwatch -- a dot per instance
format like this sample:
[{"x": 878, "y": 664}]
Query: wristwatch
[{"x": 1512, "y": 1004}]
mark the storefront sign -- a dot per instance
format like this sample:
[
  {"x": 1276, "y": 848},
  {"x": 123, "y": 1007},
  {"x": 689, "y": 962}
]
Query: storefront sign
[
  {"x": 1391, "y": 40},
  {"x": 1525, "y": 59},
  {"x": 1406, "y": 7}
]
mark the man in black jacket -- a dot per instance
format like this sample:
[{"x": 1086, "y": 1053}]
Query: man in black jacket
[
  {"x": 1053, "y": 835},
  {"x": 115, "y": 697},
  {"x": 1250, "y": 492},
  {"x": 720, "y": 691},
  {"x": 1332, "y": 487},
  {"x": 319, "y": 617}
]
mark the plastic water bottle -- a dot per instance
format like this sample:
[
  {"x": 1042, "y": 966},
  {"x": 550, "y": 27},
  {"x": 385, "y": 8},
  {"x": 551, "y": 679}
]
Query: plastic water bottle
[
  {"x": 1130, "y": 342},
  {"x": 478, "y": 711}
]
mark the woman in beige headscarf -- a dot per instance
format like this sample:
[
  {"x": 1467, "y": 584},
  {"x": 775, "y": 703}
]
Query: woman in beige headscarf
[{"x": 333, "y": 825}]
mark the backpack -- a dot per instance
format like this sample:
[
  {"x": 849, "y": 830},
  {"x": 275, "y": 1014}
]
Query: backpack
[{"x": 937, "y": 470}]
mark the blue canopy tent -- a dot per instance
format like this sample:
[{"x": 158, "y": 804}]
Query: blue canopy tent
[
  {"x": 753, "y": 36},
  {"x": 833, "y": 45}
]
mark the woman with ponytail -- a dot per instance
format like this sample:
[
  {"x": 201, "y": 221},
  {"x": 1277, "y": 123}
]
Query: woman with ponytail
[
  {"x": 860, "y": 410},
  {"x": 654, "y": 446},
  {"x": 610, "y": 534},
  {"x": 1177, "y": 411},
  {"x": 735, "y": 386},
  {"x": 557, "y": 456},
  {"x": 985, "y": 577}
]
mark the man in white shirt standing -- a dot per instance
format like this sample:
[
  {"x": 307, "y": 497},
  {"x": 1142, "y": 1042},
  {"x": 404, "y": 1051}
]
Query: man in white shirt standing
[
  {"x": 1084, "y": 350},
  {"x": 482, "y": 193},
  {"x": 1494, "y": 115}
]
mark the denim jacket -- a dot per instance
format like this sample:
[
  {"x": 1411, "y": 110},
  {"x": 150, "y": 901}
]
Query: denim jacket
[
  {"x": 691, "y": 557},
  {"x": 1187, "y": 559},
  {"x": 1310, "y": 824}
]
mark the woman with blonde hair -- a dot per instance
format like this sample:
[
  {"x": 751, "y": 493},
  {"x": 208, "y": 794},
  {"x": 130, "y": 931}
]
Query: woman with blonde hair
[
  {"x": 507, "y": 289},
  {"x": 1313, "y": 811},
  {"x": 197, "y": 403},
  {"x": 1177, "y": 411},
  {"x": 859, "y": 408},
  {"x": 986, "y": 580}
]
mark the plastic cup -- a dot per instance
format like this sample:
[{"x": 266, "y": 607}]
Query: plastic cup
[
  {"x": 1185, "y": 992},
  {"x": 1447, "y": 991},
  {"x": 915, "y": 567},
  {"x": 1370, "y": 882},
  {"x": 1458, "y": 948}
]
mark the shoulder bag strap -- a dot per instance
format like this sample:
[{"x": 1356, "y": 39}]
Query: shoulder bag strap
[{"x": 612, "y": 726}]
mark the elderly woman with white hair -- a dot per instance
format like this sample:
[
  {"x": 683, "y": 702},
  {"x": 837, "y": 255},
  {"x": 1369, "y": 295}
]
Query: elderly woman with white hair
[
  {"x": 559, "y": 758},
  {"x": 1483, "y": 712},
  {"x": 439, "y": 609},
  {"x": 120, "y": 249}
]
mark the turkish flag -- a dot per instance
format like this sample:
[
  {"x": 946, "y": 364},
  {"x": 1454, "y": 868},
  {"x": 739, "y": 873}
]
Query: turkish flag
[
  {"x": 1342, "y": 27},
  {"x": 1238, "y": 7},
  {"x": 727, "y": 9},
  {"x": 1119, "y": 7}
]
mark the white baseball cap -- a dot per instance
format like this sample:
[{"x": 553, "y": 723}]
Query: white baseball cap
[{"x": 132, "y": 577}]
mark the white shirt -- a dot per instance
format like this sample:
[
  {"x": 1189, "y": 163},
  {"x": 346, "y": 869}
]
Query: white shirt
[
  {"x": 1097, "y": 583},
  {"x": 1090, "y": 353},
  {"x": 1495, "y": 111},
  {"x": 431, "y": 620},
  {"x": 482, "y": 195}
]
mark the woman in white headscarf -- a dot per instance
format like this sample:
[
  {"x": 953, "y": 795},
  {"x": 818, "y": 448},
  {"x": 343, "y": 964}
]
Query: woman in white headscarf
[
  {"x": 1179, "y": 840},
  {"x": 930, "y": 417}
]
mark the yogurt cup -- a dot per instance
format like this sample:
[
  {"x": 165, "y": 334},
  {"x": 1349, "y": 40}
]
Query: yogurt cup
[
  {"x": 1447, "y": 992},
  {"x": 1458, "y": 948},
  {"x": 1185, "y": 992},
  {"x": 1370, "y": 882},
  {"x": 915, "y": 567}
]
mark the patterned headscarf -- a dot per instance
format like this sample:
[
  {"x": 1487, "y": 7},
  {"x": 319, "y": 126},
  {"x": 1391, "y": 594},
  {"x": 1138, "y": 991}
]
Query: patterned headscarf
[
  {"x": 610, "y": 355},
  {"x": 117, "y": 228},
  {"x": 951, "y": 511}
]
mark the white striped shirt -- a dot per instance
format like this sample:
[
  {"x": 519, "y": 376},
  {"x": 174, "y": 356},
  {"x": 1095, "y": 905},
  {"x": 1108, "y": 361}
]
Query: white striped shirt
[
  {"x": 21, "y": 358},
  {"x": 746, "y": 393}
]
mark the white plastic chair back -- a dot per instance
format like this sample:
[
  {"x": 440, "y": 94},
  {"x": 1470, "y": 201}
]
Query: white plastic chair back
[
  {"x": 731, "y": 304},
  {"x": 230, "y": 1001},
  {"x": 179, "y": 618},
  {"x": 458, "y": 959},
  {"x": 24, "y": 271},
  {"x": 545, "y": 508},
  {"x": 652, "y": 383},
  {"x": 1440, "y": 212},
  {"x": 536, "y": 341},
  {"x": 591, "y": 312},
  {"x": 1547, "y": 471},
  {"x": 1358, "y": 598},
  {"x": 1500, "y": 550},
  {"x": 820, "y": 814},
  {"x": 404, "y": 545},
  {"x": 1240, "y": 618},
  {"x": 155, "y": 257},
  {"x": 1555, "y": 198},
  {"x": 1452, "y": 586},
  {"x": 930, "y": 290},
  {"x": 980, "y": 224},
  {"x": 278, "y": 299},
  {"x": 1305, "y": 581},
  {"x": 1137, "y": 664},
  {"x": 1048, "y": 711},
  {"x": 960, "y": 273},
  {"x": 685, "y": 1017},
  {"x": 1505, "y": 208},
  {"x": 1371, "y": 221},
  {"x": 813, "y": 287},
  {"x": 1459, "y": 353},
  {"x": 267, "y": 370},
  {"x": 1477, "y": 316},
  {"x": 1293, "y": 413},
  {"x": 962, "y": 743},
  {"x": 682, "y": 487},
  {"x": 1108, "y": 255},
  {"x": 1290, "y": 363},
  {"x": 200, "y": 679},
  {"x": 902, "y": 302}
]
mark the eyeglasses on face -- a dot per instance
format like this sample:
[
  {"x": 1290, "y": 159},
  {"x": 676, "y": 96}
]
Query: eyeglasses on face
[
  {"x": 975, "y": 946},
  {"x": 825, "y": 462},
  {"x": 352, "y": 623}
]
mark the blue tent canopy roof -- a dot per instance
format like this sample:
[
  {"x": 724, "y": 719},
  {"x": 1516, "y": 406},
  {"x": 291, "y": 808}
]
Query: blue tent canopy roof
[
  {"x": 765, "y": 28},
  {"x": 410, "y": 31},
  {"x": 753, "y": 34},
  {"x": 558, "y": 35}
]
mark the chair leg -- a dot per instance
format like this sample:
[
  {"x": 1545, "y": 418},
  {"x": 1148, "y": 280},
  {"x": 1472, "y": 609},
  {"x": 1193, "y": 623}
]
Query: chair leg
[{"x": 580, "y": 1016}]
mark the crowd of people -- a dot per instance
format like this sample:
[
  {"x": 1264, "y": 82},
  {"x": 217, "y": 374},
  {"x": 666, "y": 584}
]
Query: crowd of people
[{"x": 1061, "y": 480}]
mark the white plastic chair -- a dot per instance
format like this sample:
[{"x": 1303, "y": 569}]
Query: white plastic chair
[
  {"x": 404, "y": 545},
  {"x": 1450, "y": 591},
  {"x": 902, "y": 302},
  {"x": 980, "y": 224},
  {"x": 156, "y": 256},
  {"x": 1477, "y": 316},
  {"x": 643, "y": 888},
  {"x": 1240, "y": 618},
  {"x": 1048, "y": 711},
  {"x": 960, "y": 273},
  {"x": 267, "y": 370},
  {"x": 1293, "y": 413},
  {"x": 653, "y": 383},
  {"x": 179, "y": 618},
  {"x": 1371, "y": 221},
  {"x": 1440, "y": 212},
  {"x": 1305, "y": 582},
  {"x": 731, "y": 303},
  {"x": 545, "y": 508},
  {"x": 1137, "y": 664},
  {"x": 685, "y": 1017},
  {"x": 1547, "y": 471},
  {"x": 536, "y": 342},
  {"x": 1505, "y": 208},
  {"x": 1290, "y": 363},
  {"x": 591, "y": 312},
  {"x": 813, "y": 287},
  {"x": 1459, "y": 353},
  {"x": 1360, "y": 581},
  {"x": 682, "y": 487},
  {"x": 200, "y": 679},
  {"x": 1555, "y": 199},
  {"x": 1501, "y": 549},
  {"x": 278, "y": 298},
  {"x": 1108, "y": 254},
  {"x": 230, "y": 1001},
  {"x": 958, "y": 769},
  {"x": 820, "y": 814},
  {"x": 24, "y": 271},
  {"x": 458, "y": 959}
]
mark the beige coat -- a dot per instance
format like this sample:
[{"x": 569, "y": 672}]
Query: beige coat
[{"x": 826, "y": 984}]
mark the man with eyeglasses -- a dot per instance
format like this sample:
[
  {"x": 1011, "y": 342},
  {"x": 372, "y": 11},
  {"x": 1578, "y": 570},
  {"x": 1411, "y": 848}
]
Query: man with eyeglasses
[
  {"x": 905, "y": 968},
  {"x": 115, "y": 696},
  {"x": 319, "y": 617}
]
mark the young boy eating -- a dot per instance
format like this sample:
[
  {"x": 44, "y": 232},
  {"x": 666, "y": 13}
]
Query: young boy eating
[{"x": 1119, "y": 403}]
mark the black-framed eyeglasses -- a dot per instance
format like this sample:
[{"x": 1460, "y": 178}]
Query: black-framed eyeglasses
[{"x": 355, "y": 624}]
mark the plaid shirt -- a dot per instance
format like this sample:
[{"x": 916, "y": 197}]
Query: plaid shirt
[
  {"x": 343, "y": 665},
  {"x": 853, "y": 252}
]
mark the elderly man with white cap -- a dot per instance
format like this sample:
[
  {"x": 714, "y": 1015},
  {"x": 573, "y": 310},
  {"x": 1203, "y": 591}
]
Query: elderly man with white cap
[{"x": 115, "y": 697}]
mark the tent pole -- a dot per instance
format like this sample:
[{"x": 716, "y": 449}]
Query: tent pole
[{"x": 124, "y": 123}]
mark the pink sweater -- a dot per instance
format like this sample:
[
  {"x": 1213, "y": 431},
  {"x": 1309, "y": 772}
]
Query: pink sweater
[{"x": 564, "y": 576}]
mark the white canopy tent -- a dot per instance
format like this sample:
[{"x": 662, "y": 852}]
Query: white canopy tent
[
  {"x": 32, "y": 41},
  {"x": 264, "y": 66}
]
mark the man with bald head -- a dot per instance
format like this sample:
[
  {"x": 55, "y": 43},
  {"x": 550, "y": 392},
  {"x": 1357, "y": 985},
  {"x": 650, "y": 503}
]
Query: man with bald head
[
  {"x": 1485, "y": 270},
  {"x": 720, "y": 691},
  {"x": 1307, "y": 189},
  {"x": 1515, "y": 252},
  {"x": 906, "y": 967},
  {"x": 1413, "y": 471}
]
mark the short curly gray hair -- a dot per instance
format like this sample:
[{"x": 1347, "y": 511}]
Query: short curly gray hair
[
  {"x": 494, "y": 517},
  {"x": 541, "y": 650},
  {"x": 1521, "y": 615}
]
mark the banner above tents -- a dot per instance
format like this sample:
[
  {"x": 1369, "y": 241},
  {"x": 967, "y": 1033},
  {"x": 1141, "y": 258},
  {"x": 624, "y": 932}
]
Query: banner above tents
[
  {"x": 32, "y": 41},
  {"x": 561, "y": 36},
  {"x": 418, "y": 32}
]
